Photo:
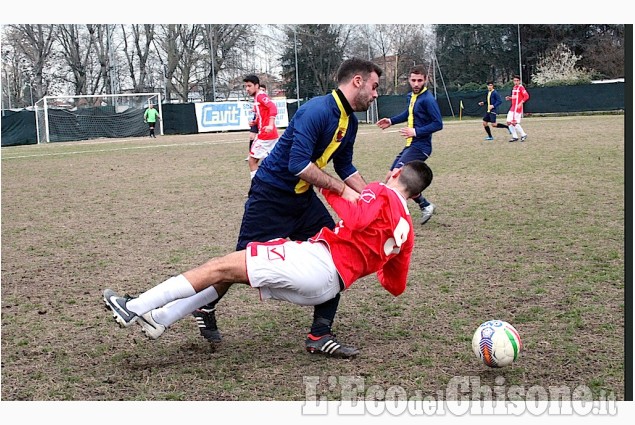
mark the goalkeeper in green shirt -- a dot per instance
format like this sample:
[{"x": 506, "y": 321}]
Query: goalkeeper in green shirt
[{"x": 151, "y": 116}]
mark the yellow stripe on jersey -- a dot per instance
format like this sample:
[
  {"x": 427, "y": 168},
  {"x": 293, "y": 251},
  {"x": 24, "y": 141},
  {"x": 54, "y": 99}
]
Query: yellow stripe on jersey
[
  {"x": 321, "y": 162},
  {"x": 411, "y": 115}
]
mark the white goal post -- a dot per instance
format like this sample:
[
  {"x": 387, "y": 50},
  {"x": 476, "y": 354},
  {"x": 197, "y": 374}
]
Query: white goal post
[{"x": 83, "y": 117}]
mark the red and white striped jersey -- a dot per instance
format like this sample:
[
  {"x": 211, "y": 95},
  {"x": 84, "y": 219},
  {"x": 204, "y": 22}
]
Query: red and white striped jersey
[
  {"x": 265, "y": 108},
  {"x": 519, "y": 95},
  {"x": 375, "y": 234}
]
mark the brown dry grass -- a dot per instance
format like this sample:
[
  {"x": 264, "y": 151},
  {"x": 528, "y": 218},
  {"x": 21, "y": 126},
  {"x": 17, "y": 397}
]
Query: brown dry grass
[{"x": 530, "y": 233}]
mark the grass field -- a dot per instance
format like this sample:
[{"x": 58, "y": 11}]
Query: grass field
[{"x": 531, "y": 233}]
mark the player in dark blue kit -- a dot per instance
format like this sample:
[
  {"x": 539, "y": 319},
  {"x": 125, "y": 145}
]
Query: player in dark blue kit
[
  {"x": 423, "y": 117},
  {"x": 282, "y": 202},
  {"x": 494, "y": 100}
]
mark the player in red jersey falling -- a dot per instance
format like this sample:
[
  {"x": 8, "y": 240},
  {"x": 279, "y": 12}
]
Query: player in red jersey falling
[{"x": 374, "y": 234}]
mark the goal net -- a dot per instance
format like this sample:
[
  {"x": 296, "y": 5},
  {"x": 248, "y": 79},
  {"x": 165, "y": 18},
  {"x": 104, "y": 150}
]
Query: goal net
[{"x": 67, "y": 118}]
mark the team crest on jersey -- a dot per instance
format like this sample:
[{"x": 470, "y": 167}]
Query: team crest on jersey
[
  {"x": 339, "y": 136},
  {"x": 275, "y": 252},
  {"x": 367, "y": 196}
]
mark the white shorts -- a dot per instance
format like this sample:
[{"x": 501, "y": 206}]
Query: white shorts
[
  {"x": 514, "y": 117},
  {"x": 261, "y": 148},
  {"x": 302, "y": 273}
]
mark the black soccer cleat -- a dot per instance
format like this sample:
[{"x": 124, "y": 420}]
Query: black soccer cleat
[
  {"x": 206, "y": 320},
  {"x": 329, "y": 346}
]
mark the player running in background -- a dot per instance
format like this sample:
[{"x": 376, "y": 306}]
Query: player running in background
[
  {"x": 518, "y": 98},
  {"x": 424, "y": 118},
  {"x": 374, "y": 234},
  {"x": 265, "y": 119},
  {"x": 282, "y": 201},
  {"x": 493, "y": 102}
]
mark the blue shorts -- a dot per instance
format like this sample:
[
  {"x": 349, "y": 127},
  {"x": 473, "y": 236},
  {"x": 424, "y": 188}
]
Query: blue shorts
[
  {"x": 490, "y": 117},
  {"x": 411, "y": 153},
  {"x": 273, "y": 213}
]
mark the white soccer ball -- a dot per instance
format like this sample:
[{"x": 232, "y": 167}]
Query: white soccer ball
[{"x": 497, "y": 343}]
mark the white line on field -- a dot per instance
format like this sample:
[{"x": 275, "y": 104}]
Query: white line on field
[
  {"x": 125, "y": 148},
  {"x": 215, "y": 142}
]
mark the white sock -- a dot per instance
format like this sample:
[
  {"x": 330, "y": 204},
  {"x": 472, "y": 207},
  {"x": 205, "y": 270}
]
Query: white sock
[
  {"x": 512, "y": 128},
  {"x": 252, "y": 173},
  {"x": 172, "y": 289},
  {"x": 176, "y": 310},
  {"x": 520, "y": 130}
]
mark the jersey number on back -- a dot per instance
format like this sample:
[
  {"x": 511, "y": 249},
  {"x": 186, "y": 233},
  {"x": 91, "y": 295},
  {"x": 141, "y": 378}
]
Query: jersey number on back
[{"x": 393, "y": 245}]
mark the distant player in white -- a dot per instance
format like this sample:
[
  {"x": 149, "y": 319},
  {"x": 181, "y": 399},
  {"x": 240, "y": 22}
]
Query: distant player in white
[{"x": 518, "y": 98}]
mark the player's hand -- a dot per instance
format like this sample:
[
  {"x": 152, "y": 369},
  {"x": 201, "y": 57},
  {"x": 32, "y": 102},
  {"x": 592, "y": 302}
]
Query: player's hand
[
  {"x": 349, "y": 194},
  {"x": 384, "y": 123},
  {"x": 480, "y": 104},
  {"x": 268, "y": 129},
  {"x": 407, "y": 132}
]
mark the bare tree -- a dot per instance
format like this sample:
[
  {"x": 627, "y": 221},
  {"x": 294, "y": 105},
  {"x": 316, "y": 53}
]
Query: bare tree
[
  {"x": 101, "y": 39},
  {"x": 11, "y": 77},
  {"x": 77, "y": 49},
  {"x": 225, "y": 44},
  {"x": 137, "y": 47},
  {"x": 181, "y": 43},
  {"x": 35, "y": 44},
  {"x": 399, "y": 47}
]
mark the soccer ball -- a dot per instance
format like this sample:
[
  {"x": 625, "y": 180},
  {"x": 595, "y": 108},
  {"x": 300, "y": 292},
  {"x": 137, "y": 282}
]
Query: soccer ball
[{"x": 496, "y": 343}]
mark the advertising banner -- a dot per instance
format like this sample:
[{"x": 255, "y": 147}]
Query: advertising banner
[{"x": 233, "y": 115}]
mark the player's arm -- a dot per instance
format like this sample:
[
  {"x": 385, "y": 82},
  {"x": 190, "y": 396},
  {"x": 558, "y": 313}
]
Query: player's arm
[
  {"x": 312, "y": 174},
  {"x": 360, "y": 214},
  {"x": 273, "y": 111},
  {"x": 525, "y": 95},
  {"x": 520, "y": 100},
  {"x": 356, "y": 182},
  {"x": 403, "y": 117},
  {"x": 394, "y": 274},
  {"x": 343, "y": 166},
  {"x": 496, "y": 102}
]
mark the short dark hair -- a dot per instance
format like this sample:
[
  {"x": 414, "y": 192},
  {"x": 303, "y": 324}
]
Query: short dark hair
[
  {"x": 262, "y": 86},
  {"x": 251, "y": 79},
  {"x": 416, "y": 176},
  {"x": 350, "y": 67},
  {"x": 516, "y": 76},
  {"x": 490, "y": 83},
  {"x": 418, "y": 69}
]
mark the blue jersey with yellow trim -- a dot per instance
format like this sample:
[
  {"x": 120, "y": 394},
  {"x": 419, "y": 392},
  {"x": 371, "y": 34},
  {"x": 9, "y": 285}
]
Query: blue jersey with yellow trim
[
  {"x": 320, "y": 131},
  {"x": 424, "y": 115}
]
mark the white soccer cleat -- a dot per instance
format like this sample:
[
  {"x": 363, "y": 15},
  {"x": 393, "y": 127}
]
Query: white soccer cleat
[
  {"x": 151, "y": 327},
  {"x": 426, "y": 213}
]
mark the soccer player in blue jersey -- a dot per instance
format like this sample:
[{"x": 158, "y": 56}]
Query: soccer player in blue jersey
[
  {"x": 423, "y": 117},
  {"x": 282, "y": 202},
  {"x": 494, "y": 100}
]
